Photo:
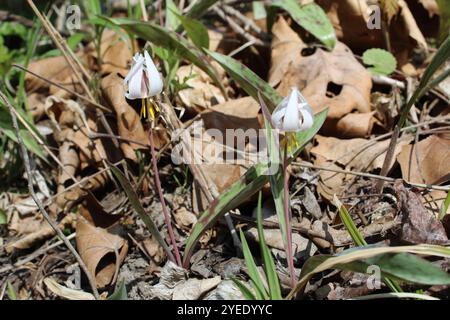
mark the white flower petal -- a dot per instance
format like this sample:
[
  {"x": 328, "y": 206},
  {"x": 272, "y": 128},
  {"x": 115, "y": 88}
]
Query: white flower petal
[
  {"x": 135, "y": 86},
  {"x": 291, "y": 116},
  {"x": 308, "y": 119},
  {"x": 138, "y": 64},
  {"x": 156, "y": 84}
]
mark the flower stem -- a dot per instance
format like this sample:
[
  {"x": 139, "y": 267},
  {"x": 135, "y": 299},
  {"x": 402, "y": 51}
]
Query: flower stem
[
  {"x": 163, "y": 202},
  {"x": 287, "y": 217}
]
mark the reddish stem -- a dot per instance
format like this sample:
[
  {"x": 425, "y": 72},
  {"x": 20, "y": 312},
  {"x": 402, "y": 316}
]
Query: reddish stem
[
  {"x": 287, "y": 218},
  {"x": 163, "y": 202}
]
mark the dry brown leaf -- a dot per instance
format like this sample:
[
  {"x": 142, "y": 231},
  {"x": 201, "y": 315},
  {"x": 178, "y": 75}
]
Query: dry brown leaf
[
  {"x": 350, "y": 19},
  {"x": 354, "y": 154},
  {"x": 35, "y": 102},
  {"x": 57, "y": 70},
  {"x": 154, "y": 250},
  {"x": 76, "y": 150},
  {"x": 128, "y": 121},
  {"x": 42, "y": 232},
  {"x": 390, "y": 8},
  {"x": 355, "y": 125},
  {"x": 349, "y": 152},
  {"x": 239, "y": 113},
  {"x": 427, "y": 161},
  {"x": 184, "y": 218},
  {"x": 433, "y": 201},
  {"x": 418, "y": 224},
  {"x": 102, "y": 250},
  {"x": 202, "y": 93},
  {"x": 115, "y": 53},
  {"x": 327, "y": 79}
]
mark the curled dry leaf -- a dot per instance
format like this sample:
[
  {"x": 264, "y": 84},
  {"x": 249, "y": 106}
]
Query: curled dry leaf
[
  {"x": 67, "y": 293},
  {"x": 71, "y": 129},
  {"x": 128, "y": 121},
  {"x": 427, "y": 161},
  {"x": 327, "y": 79},
  {"x": 102, "y": 250},
  {"x": 201, "y": 93},
  {"x": 418, "y": 224}
]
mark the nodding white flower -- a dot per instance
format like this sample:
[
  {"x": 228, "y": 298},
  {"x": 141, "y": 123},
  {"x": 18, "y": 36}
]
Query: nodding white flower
[
  {"x": 143, "y": 79},
  {"x": 293, "y": 113}
]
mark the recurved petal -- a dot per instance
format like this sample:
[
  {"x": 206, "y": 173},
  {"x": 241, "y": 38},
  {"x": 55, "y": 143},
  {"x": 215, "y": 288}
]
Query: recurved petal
[{"x": 308, "y": 119}]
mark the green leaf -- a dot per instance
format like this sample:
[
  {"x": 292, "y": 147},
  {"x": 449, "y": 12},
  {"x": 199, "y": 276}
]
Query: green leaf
[
  {"x": 245, "y": 291},
  {"x": 120, "y": 293},
  {"x": 7, "y": 128},
  {"x": 10, "y": 291},
  {"x": 381, "y": 62},
  {"x": 259, "y": 11},
  {"x": 358, "y": 238},
  {"x": 397, "y": 295},
  {"x": 172, "y": 22},
  {"x": 196, "y": 31},
  {"x": 136, "y": 204},
  {"x": 348, "y": 223},
  {"x": 444, "y": 206},
  {"x": 276, "y": 179},
  {"x": 3, "y": 219},
  {"x": 249, "y": 184},
  {"x": 444, "y": 11},
  {"x": 442, "y": 55},
  {"x": 391, "y": 261},
  {"x": 171, "y": 41},
  {"x": 247, "y": 79},
  {"x": 269, "y": 265},
  {"x": 199, "y": 8},
  {"x": 312, "y": 18},
  {"x": 253, "y": 270}
]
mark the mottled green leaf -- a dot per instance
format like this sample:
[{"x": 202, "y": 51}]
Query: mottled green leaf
[{"x": 379, "y": 61}]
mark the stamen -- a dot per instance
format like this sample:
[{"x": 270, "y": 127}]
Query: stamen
[{"x": 143, "y": 109}]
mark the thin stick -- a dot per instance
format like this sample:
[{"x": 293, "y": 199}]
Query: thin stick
[
  {"x": 38, "y": 202},
  {"x": 163, "y": 202}
]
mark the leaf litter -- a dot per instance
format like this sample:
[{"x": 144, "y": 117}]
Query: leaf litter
[{"x": 344, "y": 160}]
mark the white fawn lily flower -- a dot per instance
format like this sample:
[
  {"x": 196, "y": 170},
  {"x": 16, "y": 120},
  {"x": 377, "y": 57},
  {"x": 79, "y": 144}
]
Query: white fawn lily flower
[
  {"x": 293, "y": 114},
  {"x": 143, "y": 82}
]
